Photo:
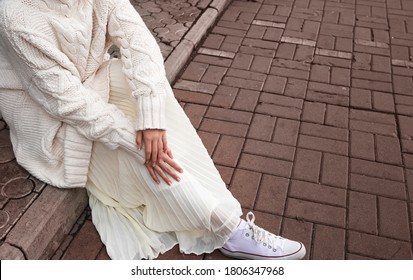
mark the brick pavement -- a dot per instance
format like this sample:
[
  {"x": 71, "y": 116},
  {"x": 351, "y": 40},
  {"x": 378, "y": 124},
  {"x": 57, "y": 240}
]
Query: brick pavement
[{"x": 306, "y": 108}]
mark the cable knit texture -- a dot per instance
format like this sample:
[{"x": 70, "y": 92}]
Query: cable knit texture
[{"x": 54, "y": 82}]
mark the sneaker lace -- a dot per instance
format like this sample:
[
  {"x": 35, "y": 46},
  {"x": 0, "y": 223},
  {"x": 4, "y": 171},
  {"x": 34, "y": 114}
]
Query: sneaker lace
[{"x": 261, "y": 235}]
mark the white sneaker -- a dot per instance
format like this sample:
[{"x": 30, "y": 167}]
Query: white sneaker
[{"x": 251, "y": 242}]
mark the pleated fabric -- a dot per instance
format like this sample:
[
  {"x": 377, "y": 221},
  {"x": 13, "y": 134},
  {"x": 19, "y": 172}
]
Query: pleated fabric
[{"x": 139, "y": 219}]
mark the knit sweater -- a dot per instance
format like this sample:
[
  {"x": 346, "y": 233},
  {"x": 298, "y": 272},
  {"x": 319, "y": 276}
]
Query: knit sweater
[{"x": 54, "y": 82}]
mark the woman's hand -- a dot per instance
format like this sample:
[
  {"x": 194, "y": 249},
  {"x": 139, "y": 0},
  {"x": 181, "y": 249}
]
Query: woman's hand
[
  {"x": 158, "y": 157},
  {"x": 166, "y": 166}
]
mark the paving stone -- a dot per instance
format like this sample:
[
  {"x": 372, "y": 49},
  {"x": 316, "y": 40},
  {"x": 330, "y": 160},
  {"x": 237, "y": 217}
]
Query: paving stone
[
  {"x": 229, "y": 115},
  {"x": 191, "y": 96},
  {"x": 373, "y": 122},
  {"x": 324, "y": 131},
  {"x": 248, "y": 75},
  {"x": 246, "y": 100},
  {"x": 226, "y": 173},
  {"x": 393, "y": 218},
  {"x": 224, "y": 96},
  {"x": 275, "y": 84},
  {"x": 262, "y": 127},
  {"x": 244, "y": 187},
  {"x": 378, "y": 247},
  {"x": 361, "y": 98},
  {"x": 329, "y": 243},
  {"x": 194, "y": 71},
  {"x": 317, "y": 193},
  {"x": 362, "y": 212},
  {"x": 195, "y": 86},
  {"x": 272, "y": 194},
  {"x": 323, "y": 144},
  {"x": 228, "y": 150},
  {"x": 286, "y": 132},
  {"x": 316, "y": 212},
  {"x": 362, "y": 145},
  {"x": 383, "y": 102},
  {"x": 86, "y": 245},
  {"x": 224, "y": 127},
  {"x": 209, "y": 140},
  {"x": 313, "y": 112},
  {"x": 195, "y": 113},
  {"x": 265, "y": 165},
  {"x": 286, "y": 51},
  {"x": 337, "y": 116},
  {"x": 334, "y": 170},
  {"x": 288, "y": 107},
  {"x": 320, "y": 73},
  {"x": 307, "y": 165},
  {"x": 269, "y": 149},
  {"x": 296, "y": 88},
  {"x": 388, "y": 150},
  {"x": 103, "y": 254},
  {"x": 261, "y": 64},
  {"x": 299, "y": 230},
  {"x": 242, "y": 61},
  {"x": 375, "y": 169}
]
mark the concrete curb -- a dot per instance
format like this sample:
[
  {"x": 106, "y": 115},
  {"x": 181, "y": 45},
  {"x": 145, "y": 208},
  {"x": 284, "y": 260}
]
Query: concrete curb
[
  {"x": 43, "y": 227},
  {"x": 181, "y": 54}
]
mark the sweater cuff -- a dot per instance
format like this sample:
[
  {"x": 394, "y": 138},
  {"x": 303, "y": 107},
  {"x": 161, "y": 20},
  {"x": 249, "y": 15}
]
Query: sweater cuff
[{"x": 151, "y": 112}]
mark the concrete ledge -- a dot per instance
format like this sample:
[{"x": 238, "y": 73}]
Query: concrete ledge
[
  {"x": 43, "y": 226},
  {"x": 181, "y": 54},
  {"x": 201, "y": 27},
  {"x": 177, "y": 59}
]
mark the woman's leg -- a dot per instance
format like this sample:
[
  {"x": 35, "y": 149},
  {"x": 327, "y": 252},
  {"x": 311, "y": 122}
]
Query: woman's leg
[{"x": 198, "y": 212}]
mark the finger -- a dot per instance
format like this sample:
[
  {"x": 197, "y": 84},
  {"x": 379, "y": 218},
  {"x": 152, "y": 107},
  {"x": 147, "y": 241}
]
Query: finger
[
  {"x": 165, "y": 142},
  {"x": 148, "y": 150},
  {"x": 154, "y": 152},
  {"x": 139, "y": 139},
  {"x": 153, "y": 175},
  {"x": 173, "y": 164},
  {"x": 160, "y": 150},
  {"x": 162, "y": 174},
  {"x": 169, "y": 153},
  {"x": 166, "y": 168}
]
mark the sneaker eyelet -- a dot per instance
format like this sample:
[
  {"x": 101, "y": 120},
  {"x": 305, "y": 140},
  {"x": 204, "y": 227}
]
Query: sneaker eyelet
[
  {"x": 264, "y": 244},
  {"x": 274, "y": 250},
  {"x": 269, "y": 247},
  {"x": 247, "y": 234}
]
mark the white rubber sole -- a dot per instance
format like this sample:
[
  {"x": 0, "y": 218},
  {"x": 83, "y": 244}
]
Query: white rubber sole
[{"x": 298, "y": 255}]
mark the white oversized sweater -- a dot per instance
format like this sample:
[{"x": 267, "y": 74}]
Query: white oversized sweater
[{"x": 54, "y": 82}]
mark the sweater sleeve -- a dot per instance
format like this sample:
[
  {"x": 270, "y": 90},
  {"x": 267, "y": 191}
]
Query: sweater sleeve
[
  {"x": 142, "y": 63},
  {"x": 50, "y": 79}
]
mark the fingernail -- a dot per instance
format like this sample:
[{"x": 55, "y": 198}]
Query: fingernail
[
  {"x": 169, "y": 183},
  {"x": 178, "y": 179}
]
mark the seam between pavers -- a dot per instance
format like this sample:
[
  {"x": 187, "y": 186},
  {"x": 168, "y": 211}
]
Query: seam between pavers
[{"x": 173, "y": 66}]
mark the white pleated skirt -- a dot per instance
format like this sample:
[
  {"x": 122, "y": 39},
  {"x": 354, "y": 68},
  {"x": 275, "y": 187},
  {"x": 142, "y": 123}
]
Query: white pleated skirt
[{"x": 139, "y": 219}]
